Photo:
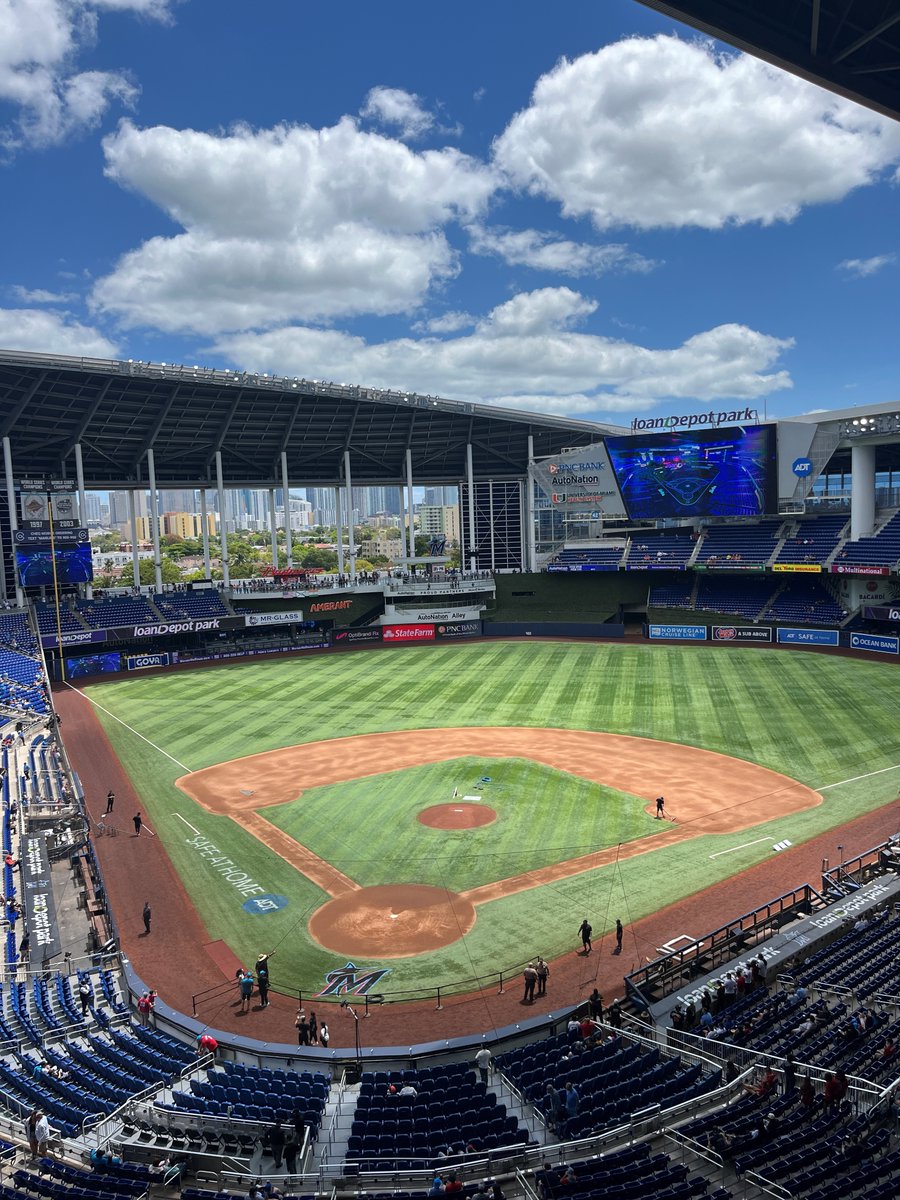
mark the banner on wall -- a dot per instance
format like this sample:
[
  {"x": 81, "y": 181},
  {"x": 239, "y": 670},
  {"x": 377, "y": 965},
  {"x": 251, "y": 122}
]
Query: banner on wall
[
  {"x": 677, "y": 633},
  {"x": 741, "y": 633},
  {"x": 796, "y": 568},
  {"x": 858, "y": 569},
  {"x": 808, "y": 637},
  {"x": 407, "y": 633},
  {"x": 141, "y": 662},
  {"x": 273, "y": 618},
  {"x": 877, "y": 643}
]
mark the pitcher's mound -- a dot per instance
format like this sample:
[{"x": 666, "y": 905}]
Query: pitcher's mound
[
  {"x": 392, "y": 921},
  {"x": 457, "y": 815}
]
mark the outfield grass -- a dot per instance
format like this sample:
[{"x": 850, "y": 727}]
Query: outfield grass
[
  {"x": 543, "y": 816},
  {"x": 819, "y": 719}
]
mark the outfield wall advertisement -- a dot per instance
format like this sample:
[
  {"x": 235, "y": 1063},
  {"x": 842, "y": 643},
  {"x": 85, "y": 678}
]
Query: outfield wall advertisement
[
  {"x": 142, "y": 662},
  {"x": 878, "y": 643},
  {"x": 808, "y": 637},
  {"x": 741, "y": 633},
  {"x": 677, "y": 633}
]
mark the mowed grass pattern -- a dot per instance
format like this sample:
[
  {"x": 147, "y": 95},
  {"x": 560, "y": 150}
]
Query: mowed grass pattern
[
  {"x": 816, "y": 718},
  {"x": 544, "y": 816}
]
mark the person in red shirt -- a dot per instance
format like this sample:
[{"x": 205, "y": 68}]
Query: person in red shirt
[{"x": 207, "y": 1044}]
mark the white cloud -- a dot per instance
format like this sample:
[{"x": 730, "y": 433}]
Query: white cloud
[
  {"x": 40, "y": 43},
  {"x": 42, "y": 331},
  {"x": 525, "y": 353},
  {"x": 548, "y": 252},
  {"x": 286, "y": 224},
  {"x": 397, "y": 108},
  {"x": 662, "y": 133},
  {"x": 42, "y": 296},
  {"x": 863, "y": 267},
  {"x": 448, "y": 322}
]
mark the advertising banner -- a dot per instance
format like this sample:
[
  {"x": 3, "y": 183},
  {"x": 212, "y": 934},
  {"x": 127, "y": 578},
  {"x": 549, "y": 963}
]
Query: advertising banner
[
  {"x": 677, "y": 633},
  {"x": 38, "y": 898},
  {"x": 355, "y": 637},
  {"x": 794, "y": 568},
  {"x": 169, "y": 628},
  {"x": 140, "y": 662},
  {"x": 808, "y": 637},
  {"x": 652, "y": 565},
  {"x": 726, "y": 564},
  {"x": 462, "y": 629},
  {"x": 580, "y": 481},
  {"x": 407, "y": 633},
  {"x": 879, "y": 612},
  {"x": 77, "y": 637},
  {"x": 62, "y": 536},
  {"x": 582, "y": 567},
  {"x": 878, "y": 643},
  {"x": 273, "y": 618},
  {"x": 857, "y": 569},
  {"x": 741, "y": 633}
]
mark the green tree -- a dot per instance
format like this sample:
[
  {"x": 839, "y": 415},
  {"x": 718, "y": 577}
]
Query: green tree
[{"x": 147, "y": 574}]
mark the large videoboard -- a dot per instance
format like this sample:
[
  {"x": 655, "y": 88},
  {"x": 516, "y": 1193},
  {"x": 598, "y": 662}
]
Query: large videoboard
[
  {"x": 706, "y": 473},
  {"x": 35, "y": 565}
]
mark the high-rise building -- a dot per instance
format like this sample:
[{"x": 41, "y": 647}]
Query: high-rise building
[
  {"x": 183, "y": 500},
  {"x": 439, "y": 520}
]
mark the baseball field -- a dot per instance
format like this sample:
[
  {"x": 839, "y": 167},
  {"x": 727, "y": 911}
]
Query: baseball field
[{"x": 438, "y": 813}]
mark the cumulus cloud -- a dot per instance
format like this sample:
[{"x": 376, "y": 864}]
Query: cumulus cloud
[
  {"x": 41, "y": 331},
  {"x": 549, "y": 252},
  {"x": 42, "y": 296},
  {"x": 863, "y": 267},
  {"x": 448, "y": 322},
  {"x": 662, "y": 133},
  {"x": 527, "y": 353},
  {"x": 286, "y": 224},
  {"x": 40, "y": 43},
  {"x": 399, "y": 109}
]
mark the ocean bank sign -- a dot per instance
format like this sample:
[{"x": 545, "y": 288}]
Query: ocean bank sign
[
  {"x": 878, "y": 643},
  {"x": 677, "y": 633}
]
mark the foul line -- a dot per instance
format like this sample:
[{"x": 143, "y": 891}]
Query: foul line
[
  {"x": 743, "y": 846},
  {"x": 187, "y": 770},
  {"x": 189, "y": 825},
  {"x": 856, "y": 778}
]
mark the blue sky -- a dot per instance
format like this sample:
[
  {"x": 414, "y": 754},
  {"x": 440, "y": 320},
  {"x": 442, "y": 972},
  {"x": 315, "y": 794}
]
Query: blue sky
[{"x": 579, "y": 208}]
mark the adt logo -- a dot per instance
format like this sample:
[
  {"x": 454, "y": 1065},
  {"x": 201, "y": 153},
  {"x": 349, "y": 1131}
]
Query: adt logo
[
  {"x": 802, "y": 467},
  {"x": 257, "y": 906}
]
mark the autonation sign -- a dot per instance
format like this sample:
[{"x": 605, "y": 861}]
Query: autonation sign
[{"x": 580, "y": 482}]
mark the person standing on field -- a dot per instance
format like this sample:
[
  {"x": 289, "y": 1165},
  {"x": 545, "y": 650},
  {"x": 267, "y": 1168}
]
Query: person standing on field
[
  {"x": 586, "y": 930},
  {"x": 543, "y": 973},
  {"x": 138, "y": 822}
]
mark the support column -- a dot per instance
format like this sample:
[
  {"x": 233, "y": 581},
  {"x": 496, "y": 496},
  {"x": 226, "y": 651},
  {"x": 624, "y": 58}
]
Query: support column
[
  {"x": 491, "y": 512},
  {"x": 154, "y": 519},
  {"x": 339, "y": 530},
  {"x": 530, "y": 531},
  {"x": 135, "y": 556},
  {"x": 410, "y": 506},
  {"x": 223, "y": 524},
  {"x": 204, "y": 530},
  {"x": 288, "y": 531},
  {"x": 351, "y": 533},
  {"x": 82, "y": 503},
  {"x": 273, "y": 527},
  {"x": 862, "y": 493},
  {"x": 470, "y": 482},
  {"x": 13, "y": 517}
]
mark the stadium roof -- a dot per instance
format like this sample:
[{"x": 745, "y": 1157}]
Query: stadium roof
[
  {"x": 851, "y": 47},
  {"x": 118, "y": 410}
]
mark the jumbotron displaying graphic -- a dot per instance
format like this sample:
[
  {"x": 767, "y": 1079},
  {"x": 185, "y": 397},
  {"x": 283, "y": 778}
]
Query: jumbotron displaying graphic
[
  {"x": 93, "y": 664},
  {"x": 705, "y": 473},
  {"x": 73, "y": 565}
]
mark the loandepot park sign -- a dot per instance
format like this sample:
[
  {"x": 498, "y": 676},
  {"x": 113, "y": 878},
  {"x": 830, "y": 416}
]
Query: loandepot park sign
[
  {"x": 580, "y": 482},
  {"x": 739, "y": 416}
]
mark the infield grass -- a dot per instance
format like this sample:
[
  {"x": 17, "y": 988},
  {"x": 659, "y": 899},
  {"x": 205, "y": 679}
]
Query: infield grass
[{"x": 819, "y": 719}]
